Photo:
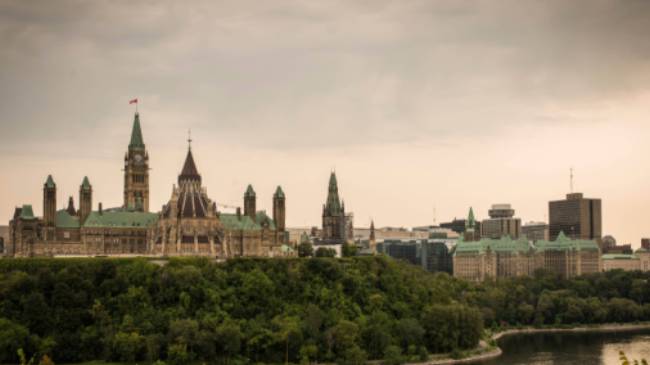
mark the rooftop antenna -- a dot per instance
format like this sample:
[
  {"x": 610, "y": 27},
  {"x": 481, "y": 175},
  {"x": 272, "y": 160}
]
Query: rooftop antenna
[{"x": 571, "y": 180}]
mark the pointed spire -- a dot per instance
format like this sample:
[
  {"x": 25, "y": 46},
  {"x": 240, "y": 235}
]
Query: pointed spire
[
  {"x": 70, "y": 208},
  {"x": 85, "y": 184},
  {"x": 333, "y": 204},
  {"x": 136, "y": 133},
  {"x": 279, "y": 193},
  {"x": 189, "y": 171},
  {"x": 372, "y": 230},
  {"x": 333, "y": 186},
  {"x": 470, "y": 219},
  {"x": 50, "y": 182},
  {"x": 249, "y": 191}
]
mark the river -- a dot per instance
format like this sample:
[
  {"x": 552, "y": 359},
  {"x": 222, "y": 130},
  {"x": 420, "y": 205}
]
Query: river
[{"x": 572, "y": 348}]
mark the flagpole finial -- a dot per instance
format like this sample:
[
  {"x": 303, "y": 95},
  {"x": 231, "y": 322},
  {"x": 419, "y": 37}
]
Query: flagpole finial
[{"x": 189, "y": 138}]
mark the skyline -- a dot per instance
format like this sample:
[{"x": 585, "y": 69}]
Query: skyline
[{"x": 420, "y": 105}]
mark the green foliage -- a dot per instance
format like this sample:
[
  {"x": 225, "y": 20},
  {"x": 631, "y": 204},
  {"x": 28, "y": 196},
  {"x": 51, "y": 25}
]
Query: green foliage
[
  {"x": 325, "y": 252},
  {"x": 13, "y": 337},
  {"x": 305, "y": 249},
  {"x": 321, "y": 310},
  {"x": 348, "y": 250}
]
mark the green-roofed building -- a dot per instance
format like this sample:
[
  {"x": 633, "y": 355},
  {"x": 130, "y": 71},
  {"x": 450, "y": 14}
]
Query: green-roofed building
[
  {"x": 188, "y": 225},
  {"x": 506, "y": 257}
]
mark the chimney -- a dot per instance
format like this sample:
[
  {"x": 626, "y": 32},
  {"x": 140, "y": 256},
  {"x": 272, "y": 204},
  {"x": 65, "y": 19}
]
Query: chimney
[
  {"x": 238, "y": 213},
  {"x": 101, "y": 211}
]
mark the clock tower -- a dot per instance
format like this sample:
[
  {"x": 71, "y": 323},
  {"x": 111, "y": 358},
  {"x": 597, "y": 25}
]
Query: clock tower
[{"x": 136, "y": 171}]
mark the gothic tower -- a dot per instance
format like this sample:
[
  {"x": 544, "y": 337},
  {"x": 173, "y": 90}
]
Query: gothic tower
[
  {"x": 279, "y": 210},
  {"x": 249, "y": 202},
  {"x": 136, "y": 171},
  {"x": 471, "y": 233},
  {"x": 333, "y": 214},
  {"x": 85, "y": 200},
  {"x": 49, "y": 208}
]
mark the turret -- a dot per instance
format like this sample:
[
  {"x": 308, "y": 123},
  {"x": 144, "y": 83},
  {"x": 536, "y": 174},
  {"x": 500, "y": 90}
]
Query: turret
[
  {"x": 49, "y": 202},
  {"x": 250, "y": 202},
  {"x": 85, "y": 200},
  {"x": 279, "y": 209}
]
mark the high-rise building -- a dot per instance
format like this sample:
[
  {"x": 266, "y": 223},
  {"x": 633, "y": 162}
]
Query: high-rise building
[
  {"x": 501, "y": 223},
  {"x": 535, "y": 231},
  {"x": 576, "y": 216}
]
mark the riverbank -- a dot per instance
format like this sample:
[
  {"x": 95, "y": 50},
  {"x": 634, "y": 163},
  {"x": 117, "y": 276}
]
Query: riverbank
[{"x": 486, "y": 352}]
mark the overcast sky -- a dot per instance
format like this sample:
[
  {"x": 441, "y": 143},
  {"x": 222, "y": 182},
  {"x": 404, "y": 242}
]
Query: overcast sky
[{"x": 416, "y": 104}]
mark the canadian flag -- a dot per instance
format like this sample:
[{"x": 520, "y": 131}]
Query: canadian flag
[{"x": 133, "y": 101}]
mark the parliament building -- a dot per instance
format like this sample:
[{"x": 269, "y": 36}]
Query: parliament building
[{"x": 189, "y": 224}]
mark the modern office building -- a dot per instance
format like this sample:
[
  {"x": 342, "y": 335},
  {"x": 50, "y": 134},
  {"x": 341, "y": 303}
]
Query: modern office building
[
  {"x": 431, "y": 254},
  {"x": 578, "y": 217},
  {"x": 535, "y": 231},
  {"x": 501, "y": 223}
]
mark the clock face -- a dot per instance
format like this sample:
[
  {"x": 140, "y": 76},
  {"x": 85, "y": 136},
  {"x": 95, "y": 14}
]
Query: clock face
[{"x": 138, "y": 158}]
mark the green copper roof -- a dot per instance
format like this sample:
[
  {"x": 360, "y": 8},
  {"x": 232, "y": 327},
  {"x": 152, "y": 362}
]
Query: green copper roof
[
  {"x": 232, "y": 223},
  {"x": 261, "y": 217},
  {"x": 616, "y": 256},
  {"x": 333, "y": 203},
  {"x": 136, "y": 133},
  {"x": 503, "y": 245},
  {"x": 85, "y": 184},
  {"x": 26, "y": 212},
  {"x": 123, "y": 219},
  {"x": 471, "y": 222},
  {"x": 65, "y": 220},
  {"x": 50, "y": 182},
  {"x": 249, "y": 191},
  {"x": 278, "y": 192},
  {"x": 563, "y": 243}
]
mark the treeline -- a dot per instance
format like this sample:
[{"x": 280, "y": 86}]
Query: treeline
[
  {"x": 276, "y": 310},
  {"x": 243, "y": 311},
  {"x": 546, "y": 299}
]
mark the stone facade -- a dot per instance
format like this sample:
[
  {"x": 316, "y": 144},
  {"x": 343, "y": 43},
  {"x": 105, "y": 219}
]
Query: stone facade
[
  {"x": 188, "y": 225},
  {"x": 623, "y": 262},
  {"x": 337, "y": 226},
  {"x": 491, "y": 258}
]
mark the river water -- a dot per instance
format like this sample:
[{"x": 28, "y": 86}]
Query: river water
[{"x": 572, "y": 348}]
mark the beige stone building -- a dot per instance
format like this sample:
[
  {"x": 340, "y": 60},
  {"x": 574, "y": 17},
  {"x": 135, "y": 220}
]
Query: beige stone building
[
  {"x": 505, "y": 257},
  {"x": 189, "y": 223},
  {"x": 621, "y": 262}
]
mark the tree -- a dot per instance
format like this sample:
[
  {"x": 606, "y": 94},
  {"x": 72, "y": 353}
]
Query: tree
[
  {"x": 325, "y": 252},
  {"x": 12, "y": 338},
  {"x": 229, "y": 338},
  {"x": 348, "y": 250},
  {"x": 305, "y": 249},
  {"x": 287, "y": 328},
  {"x": 128, "y": 347},
  {"x": 393, "y": 355}
]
